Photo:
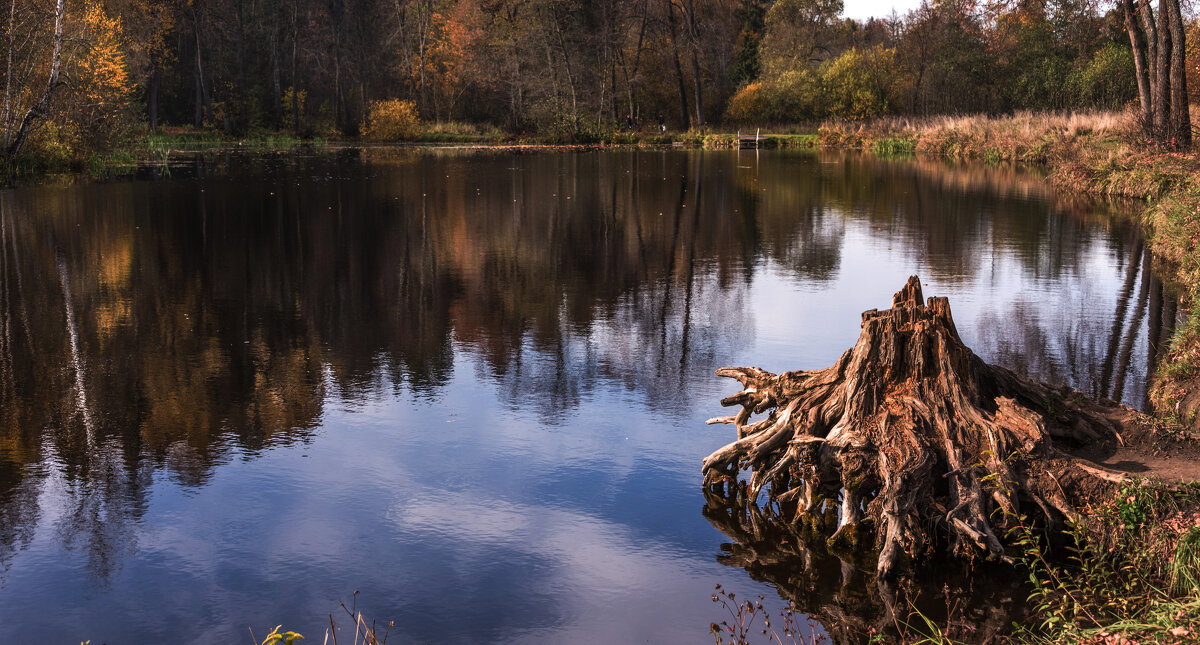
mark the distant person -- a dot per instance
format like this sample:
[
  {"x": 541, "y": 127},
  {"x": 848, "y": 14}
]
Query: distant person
[
  {"x": 662, "y": 123},
  {"x": 629, "y": 123}
]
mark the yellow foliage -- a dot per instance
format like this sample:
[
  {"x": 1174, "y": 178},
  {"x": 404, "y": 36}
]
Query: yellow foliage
[
  {"x": 53, "y": 145},
  {"x": 749, "y": 104},
  {"x": 856, "y": 83},
  {"x": 799, "y": 95},
  {"x": 792, "y": 97},
  {"x": 95, "y": 107},
  {"x": 290, "y": 96},
  {"x": 1192, "y": 61},
  {"x": 391, "y": 120},
  {"x": 102, "y": 73}
]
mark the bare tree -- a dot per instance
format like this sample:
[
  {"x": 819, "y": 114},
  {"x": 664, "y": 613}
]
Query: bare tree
[{"x": 674, "y": 34}]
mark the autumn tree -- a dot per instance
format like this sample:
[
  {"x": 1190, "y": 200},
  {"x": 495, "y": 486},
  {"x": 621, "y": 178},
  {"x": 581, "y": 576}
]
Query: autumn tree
[
  {"x": 84, "y": 99},
  {"x": 857, "y": 84},
  {"x": 799, "y": 32},
  {"x": 573, "y": 68},
  {"x": 96, "y": 102}
]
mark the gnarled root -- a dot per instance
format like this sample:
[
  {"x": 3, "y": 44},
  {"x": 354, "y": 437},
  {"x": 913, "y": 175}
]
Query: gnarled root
[{"x": 919, "y": 437}]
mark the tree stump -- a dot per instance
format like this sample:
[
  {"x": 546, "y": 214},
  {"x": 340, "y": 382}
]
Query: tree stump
[{"x": 915, "y": 439}]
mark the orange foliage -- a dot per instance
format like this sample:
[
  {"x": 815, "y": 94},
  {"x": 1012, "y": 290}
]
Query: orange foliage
[
  {"x": 95, "y": 106},
  {"x": 440, "y": 74},
  {"x": 750, "y": 104},
  {"x": 101, "y": 87},
  {"x": 102, "y": 75}
]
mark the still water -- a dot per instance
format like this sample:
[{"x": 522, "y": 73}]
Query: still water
[{"x": 471, "y": 386}]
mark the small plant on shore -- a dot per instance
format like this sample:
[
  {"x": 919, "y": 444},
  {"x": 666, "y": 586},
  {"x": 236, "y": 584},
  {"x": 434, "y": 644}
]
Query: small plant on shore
[
  {"x": 279, "y": 638},
  {"x": 1131, "y": 571},
  {"x": 1133, "y": 505},
  {"x": 894, "y": 146},
  {"x": 1185, "y": 566},
  {"x": 926, "y": 633},
  {"x": 365, "y": 631},
  {"x": 748, "y": 619}
]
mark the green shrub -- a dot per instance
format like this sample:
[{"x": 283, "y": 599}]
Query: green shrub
[
  {"x": 1107, "y": 81},
  {"x": 52, "y": 145},
  {"x": 852, "y": 87},
  {"x": 797, "y": 96},
  {"x": 893, "y": 146}
]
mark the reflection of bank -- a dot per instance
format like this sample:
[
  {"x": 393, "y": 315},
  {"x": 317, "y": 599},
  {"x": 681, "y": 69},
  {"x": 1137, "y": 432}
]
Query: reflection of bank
[
  {"x": 837, "y": 586},
  {"x": 1152, "y": 303},
  {"x": 1104, "y": 340}
]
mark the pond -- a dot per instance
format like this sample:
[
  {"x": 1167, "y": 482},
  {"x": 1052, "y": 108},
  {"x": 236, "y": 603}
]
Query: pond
[{"x": 471, "y": 385}]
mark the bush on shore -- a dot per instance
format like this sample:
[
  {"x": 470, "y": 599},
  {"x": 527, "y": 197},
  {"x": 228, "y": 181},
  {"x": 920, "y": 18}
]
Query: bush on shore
[{"x": 391, "y": 120}]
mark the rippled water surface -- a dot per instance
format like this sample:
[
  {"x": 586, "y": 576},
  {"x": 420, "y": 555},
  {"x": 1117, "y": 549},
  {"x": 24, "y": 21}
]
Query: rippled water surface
[{"x": 472, "y": 386}]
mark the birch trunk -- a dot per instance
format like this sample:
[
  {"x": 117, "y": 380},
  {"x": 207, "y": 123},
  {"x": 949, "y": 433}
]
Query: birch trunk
[{"x": 40, "y": 108}]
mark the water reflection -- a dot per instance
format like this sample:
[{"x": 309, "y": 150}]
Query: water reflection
[
  {"x": 838, "y": 587},
  {"x": 502, "y": 323}
]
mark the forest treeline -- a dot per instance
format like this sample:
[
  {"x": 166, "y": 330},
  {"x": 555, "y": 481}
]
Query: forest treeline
[{"x": 84, "y": 73}]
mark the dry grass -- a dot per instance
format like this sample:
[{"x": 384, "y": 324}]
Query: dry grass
[
  {"x": 1022, "y": 125},
  {"x": 1028, "y": 126},
  {"x": 1024, "y": 137}
]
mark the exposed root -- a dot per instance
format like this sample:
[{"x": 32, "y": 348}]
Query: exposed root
[{"x": 917, "y": 436}]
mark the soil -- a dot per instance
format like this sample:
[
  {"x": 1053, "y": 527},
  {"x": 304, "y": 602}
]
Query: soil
[{"x": 1154, "y": 454}]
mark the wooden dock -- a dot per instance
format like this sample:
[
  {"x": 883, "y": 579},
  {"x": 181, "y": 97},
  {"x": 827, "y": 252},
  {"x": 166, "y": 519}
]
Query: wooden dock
[{"x": 748, "y": 141}]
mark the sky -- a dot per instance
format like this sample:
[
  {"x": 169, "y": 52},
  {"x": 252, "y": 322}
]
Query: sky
[{"x": 863, "y": 9}]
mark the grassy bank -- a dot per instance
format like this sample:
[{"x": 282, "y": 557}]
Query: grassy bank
[
  {"x": 1132, "y": 574},
  {"x": 1171, "y": 183},
  {"x": 141, "y": 146},
  {"x": 1049, "y": 139}
]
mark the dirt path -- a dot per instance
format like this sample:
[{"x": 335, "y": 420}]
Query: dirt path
[{"x": 1171, "y": 460}]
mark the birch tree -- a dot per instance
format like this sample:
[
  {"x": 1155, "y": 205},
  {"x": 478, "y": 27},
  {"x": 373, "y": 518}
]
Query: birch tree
[{"x": 38, "y": 110}]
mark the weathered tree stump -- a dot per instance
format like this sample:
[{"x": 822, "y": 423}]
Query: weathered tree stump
[{"x": 916, "y": 438}]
